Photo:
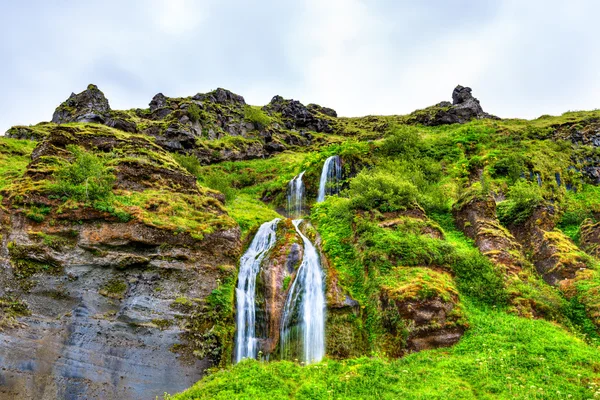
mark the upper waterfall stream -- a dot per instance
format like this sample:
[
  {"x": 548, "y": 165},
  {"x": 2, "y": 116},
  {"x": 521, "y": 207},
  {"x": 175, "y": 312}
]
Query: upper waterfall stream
[
  {"x": 330, "y": 178},
  {"x": 295, "y": 196}
]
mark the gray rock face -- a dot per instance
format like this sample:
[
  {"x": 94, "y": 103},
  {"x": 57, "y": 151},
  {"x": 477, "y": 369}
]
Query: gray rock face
[
  {"x": 80, "y": 344},
  {"x": 104, "y": 326}
]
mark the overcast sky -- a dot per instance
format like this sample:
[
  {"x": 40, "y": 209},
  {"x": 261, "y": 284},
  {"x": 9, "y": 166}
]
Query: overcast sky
[{"x": 522, "y": 58}]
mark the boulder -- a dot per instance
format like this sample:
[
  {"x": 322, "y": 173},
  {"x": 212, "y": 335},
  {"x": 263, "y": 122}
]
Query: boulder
[
  {"x": 88, "y": 106},
  {"x": 297, "y": 116},
  {"x": 464, "y": 108},
  {"x": 477, "y": 219}
]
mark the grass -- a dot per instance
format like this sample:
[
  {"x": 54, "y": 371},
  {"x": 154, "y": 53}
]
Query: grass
[
  {"x": 14, "y": 157},
  {"x": 501, "y": 356}
]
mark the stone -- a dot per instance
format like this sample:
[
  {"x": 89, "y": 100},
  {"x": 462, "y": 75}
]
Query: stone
[
  {"x": 464, "y": 108},
  {"x": 158, "y": 101},
  {"x": 298, "y": 116},
  {"x": 88, "y": 106}
]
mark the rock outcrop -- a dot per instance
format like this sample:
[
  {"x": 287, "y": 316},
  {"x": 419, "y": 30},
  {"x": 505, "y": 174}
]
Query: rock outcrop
[
  {"x": 554, "y": 255},
  {"x": 416, "y": 316},
  {"x": 297, "y": 116},
  {"x": 214, "y": 126},
  {"x": 90, "y": 106},
  {"x": 590, "y": 237},
  {"x": 477, "y": 219},
  {"x": 98, "y": 289},
  {"x": 464, "y": 108}
]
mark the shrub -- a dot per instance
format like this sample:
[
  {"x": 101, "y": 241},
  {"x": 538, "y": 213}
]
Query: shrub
[
  {"x": 403, "y": 142},
  {"x": 193, "y": 112},
  {"x": 523, "y": 198},
  {"x": 86, "y": 178},
  {"x": 380, "y": 190},
  {"x": 256, "y": 116},
  {"x": 189, "y": 162}
]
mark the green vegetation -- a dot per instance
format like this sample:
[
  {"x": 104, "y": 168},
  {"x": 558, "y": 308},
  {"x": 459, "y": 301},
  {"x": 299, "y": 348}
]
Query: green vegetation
[
  {"x": 114, "y": 288},
  {"x": 523, "y": 198},
  {"x": 257, "y": 116},
  {"x": 14, "y": 157},
  {"x": 501, "y": 356},
  {"x": 86, "y": 178}
]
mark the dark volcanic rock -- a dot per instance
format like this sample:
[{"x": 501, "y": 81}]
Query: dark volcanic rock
[
  {"x": 158, "y": 101},
  {"x": 464, "y": 108},
  {"x": 297, "y": 116},
  {"x": 87, "y": 106},
  {"x": 324, "y": 110},
  {"x": 90, "y": 106}
]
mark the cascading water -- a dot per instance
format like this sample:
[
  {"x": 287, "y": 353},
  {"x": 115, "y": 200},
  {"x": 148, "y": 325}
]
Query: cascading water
[
  {"x": 330, "y": 178},
  {"x": 245, "y": 343},
  {"x": 303, "y": 319},
  {"x": 295, "y": 196}
]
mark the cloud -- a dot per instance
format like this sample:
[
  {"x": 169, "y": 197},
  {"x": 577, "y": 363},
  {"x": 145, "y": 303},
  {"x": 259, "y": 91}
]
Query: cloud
[{"x": 522, "y": 59}]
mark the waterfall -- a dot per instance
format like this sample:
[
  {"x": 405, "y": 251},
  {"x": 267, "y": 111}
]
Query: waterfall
[
  {"x": 303, "y": 319},
  {"x": 295, "y": 196},
  {"x": 245, "y": 343},
  {"x": 330, "y": 178}
]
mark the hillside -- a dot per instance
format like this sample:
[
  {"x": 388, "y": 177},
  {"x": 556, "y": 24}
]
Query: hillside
[{"x": 459, "y": 251}]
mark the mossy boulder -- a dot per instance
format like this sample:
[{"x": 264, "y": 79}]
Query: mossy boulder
[{"x": 464, "y": 108}]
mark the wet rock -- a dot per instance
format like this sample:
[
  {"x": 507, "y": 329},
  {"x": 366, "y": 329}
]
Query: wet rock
[{"x": 279, "y": 266}]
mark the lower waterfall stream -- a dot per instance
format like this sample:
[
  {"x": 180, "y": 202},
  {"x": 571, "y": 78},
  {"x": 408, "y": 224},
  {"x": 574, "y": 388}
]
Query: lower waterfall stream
[
  {"x": 303, "y": 320},
  {"x": 245, "y": 342}
]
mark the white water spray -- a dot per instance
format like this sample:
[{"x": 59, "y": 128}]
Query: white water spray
[
  {"x": 303, "y": 319},
  {"x": 245, "y": 343},
  {"x": 295, "y": 196},
  {"x": 330, "y": 178}
]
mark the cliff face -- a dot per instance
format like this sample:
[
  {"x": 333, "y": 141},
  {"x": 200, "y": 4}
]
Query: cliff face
[{"x": 98, "y": 292}]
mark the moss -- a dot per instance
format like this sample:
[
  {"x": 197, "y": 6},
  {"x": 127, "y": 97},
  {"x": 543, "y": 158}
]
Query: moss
[
  {"x": 55, "y": 242},
  {"x": 10, "y": 309},
  {"x": 209, "y": 326},
  {"x": 115, "y": 288},
  {"x": 344, "y": 336},
  {"x": 30, "y": 260},
  {"x": 413, "y": 283},
  {"x": 257, "y": 116},
  {"x": 163, "y": 324}
]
